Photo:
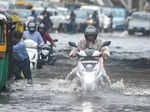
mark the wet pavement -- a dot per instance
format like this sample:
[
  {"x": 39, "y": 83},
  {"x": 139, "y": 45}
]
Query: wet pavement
[{"x": 128, "y": 68}]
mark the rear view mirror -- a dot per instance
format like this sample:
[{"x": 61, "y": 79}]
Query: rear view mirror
[
  {"x": 107, "y": 43},
  {"x": 72, "y": 44}
]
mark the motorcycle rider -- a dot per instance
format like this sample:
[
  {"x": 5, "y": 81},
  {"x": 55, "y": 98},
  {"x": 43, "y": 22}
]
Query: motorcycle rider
[
  {"x": 91, "y": 41},
  {"x": 72, "y": 19},
  {"x": 47, "y": 21},
  {"x": 34, "y": 15},
  {"x": 96, "y": 19},
  {"x": 32, "y": 34},
  {"x": 45, "y": 35}
]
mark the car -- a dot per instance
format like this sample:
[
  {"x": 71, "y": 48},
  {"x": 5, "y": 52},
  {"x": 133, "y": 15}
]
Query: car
[
  {"x": 81, "y": 18},
  {"x": 139, "y": 22},
  {"x": 6, "y": 12},
  {"x": 80, "y": 21},
  {"x": 119, "y": 18},
  {"x": 52, "y": 11},
  {"x": 106, "y": 10},
  {"x": 38, "y": 10},
  {"x": 23, "y": 14},
  {"x": 58, "y": 17},
  {"x": 62, "y": 11},
  {"x": 104, "y": 19},
  {"x": 4, "y": 5},
  {"x": 107, "y": 20}
]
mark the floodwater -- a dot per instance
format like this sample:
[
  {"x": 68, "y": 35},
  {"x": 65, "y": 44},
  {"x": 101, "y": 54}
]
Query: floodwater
[{"x": 50, "y": 91}]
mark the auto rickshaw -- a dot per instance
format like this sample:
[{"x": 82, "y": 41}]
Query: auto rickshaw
[{"x": 5, "y": 50}]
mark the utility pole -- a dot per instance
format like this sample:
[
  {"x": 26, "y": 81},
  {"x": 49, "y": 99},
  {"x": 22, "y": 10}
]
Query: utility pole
[
  {"x": 141, "y": 5},
  {"x": 125, "y": 4},
  {"x": 130, "y": 4}
]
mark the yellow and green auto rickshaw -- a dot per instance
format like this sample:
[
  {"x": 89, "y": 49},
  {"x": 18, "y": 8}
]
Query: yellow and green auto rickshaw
[{"x": 5, "y": 50}]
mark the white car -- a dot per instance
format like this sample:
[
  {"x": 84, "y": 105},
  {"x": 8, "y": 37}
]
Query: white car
[
  {"x": 139, "y": 22},
  {"x": 107, "y": 22},
  {"x": 4, "y": 4},
  {"x": 38, "y": 10},
  {"x": 58, "y": 16}
]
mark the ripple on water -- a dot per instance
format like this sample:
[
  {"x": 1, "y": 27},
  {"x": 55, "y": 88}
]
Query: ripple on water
[{"x": 135, "y": 91}]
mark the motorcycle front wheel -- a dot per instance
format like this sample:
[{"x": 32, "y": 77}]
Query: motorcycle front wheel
[{"x": 51, "y": 60}]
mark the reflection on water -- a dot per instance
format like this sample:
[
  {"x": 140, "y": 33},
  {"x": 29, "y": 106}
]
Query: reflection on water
[
  {"x": 56, "y": 95},
  {"x": 87, "y": 107}
]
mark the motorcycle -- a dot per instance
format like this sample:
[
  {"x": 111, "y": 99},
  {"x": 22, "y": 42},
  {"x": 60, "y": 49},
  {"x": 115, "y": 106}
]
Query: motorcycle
[
  {"x": 89, "y": 71},
  {"x": 48, "y": 54}
]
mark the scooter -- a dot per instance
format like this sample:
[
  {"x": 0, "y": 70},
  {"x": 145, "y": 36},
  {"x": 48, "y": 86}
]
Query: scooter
[
  {"x": 32, "y": 49},
  {"x": 88, "y": 71},
  {"x": 48, "y": 54}
]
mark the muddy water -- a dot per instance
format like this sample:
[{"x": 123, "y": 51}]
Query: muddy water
[{"x": 51, "y": 93}]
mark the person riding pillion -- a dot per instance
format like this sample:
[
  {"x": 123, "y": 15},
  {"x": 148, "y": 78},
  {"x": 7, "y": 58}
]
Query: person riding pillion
[
  {"x": 32, "y": 34},
  {"x": 45, "y": 35},
  {"x": 91, "y": 41}
]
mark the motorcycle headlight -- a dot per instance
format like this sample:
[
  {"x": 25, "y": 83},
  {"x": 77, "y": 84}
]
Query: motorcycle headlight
[
  {"x": 89, "y": 78},
  {"x": 45, "y": 52}
]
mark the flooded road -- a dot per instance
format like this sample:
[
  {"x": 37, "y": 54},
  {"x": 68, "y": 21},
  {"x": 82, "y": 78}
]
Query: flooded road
[{"x": 51, "y": 93}]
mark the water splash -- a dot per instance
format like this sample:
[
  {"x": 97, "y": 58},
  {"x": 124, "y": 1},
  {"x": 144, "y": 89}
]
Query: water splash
[
  {"x": 53, "y": 85},
  {"x": 136, "y": 91},
  {"x": 63, "y": 86},
  {"x": 119, "y": 85},
  {"x": 130, "y": 91}
]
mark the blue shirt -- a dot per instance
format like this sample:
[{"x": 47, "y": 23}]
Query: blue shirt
[
  {"x": 19, "y": 51},
  {"x": 36, "y": 36}
]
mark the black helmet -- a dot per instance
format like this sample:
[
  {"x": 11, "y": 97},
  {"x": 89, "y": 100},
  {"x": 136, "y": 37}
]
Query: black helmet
[
  {"x": 31, "y": 26},
  {"x": 90, "y": 33}
]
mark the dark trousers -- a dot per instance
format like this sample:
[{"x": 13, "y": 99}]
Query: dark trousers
[
  {"x": 23, "y": 66},
  {"x": 73, "y": 26}
]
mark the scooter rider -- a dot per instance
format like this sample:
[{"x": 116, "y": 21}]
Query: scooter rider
[
  {"x": 91, "y": 41},
  {"x": 32, "y": 34},
  {"x": 45, "y": 35}
]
